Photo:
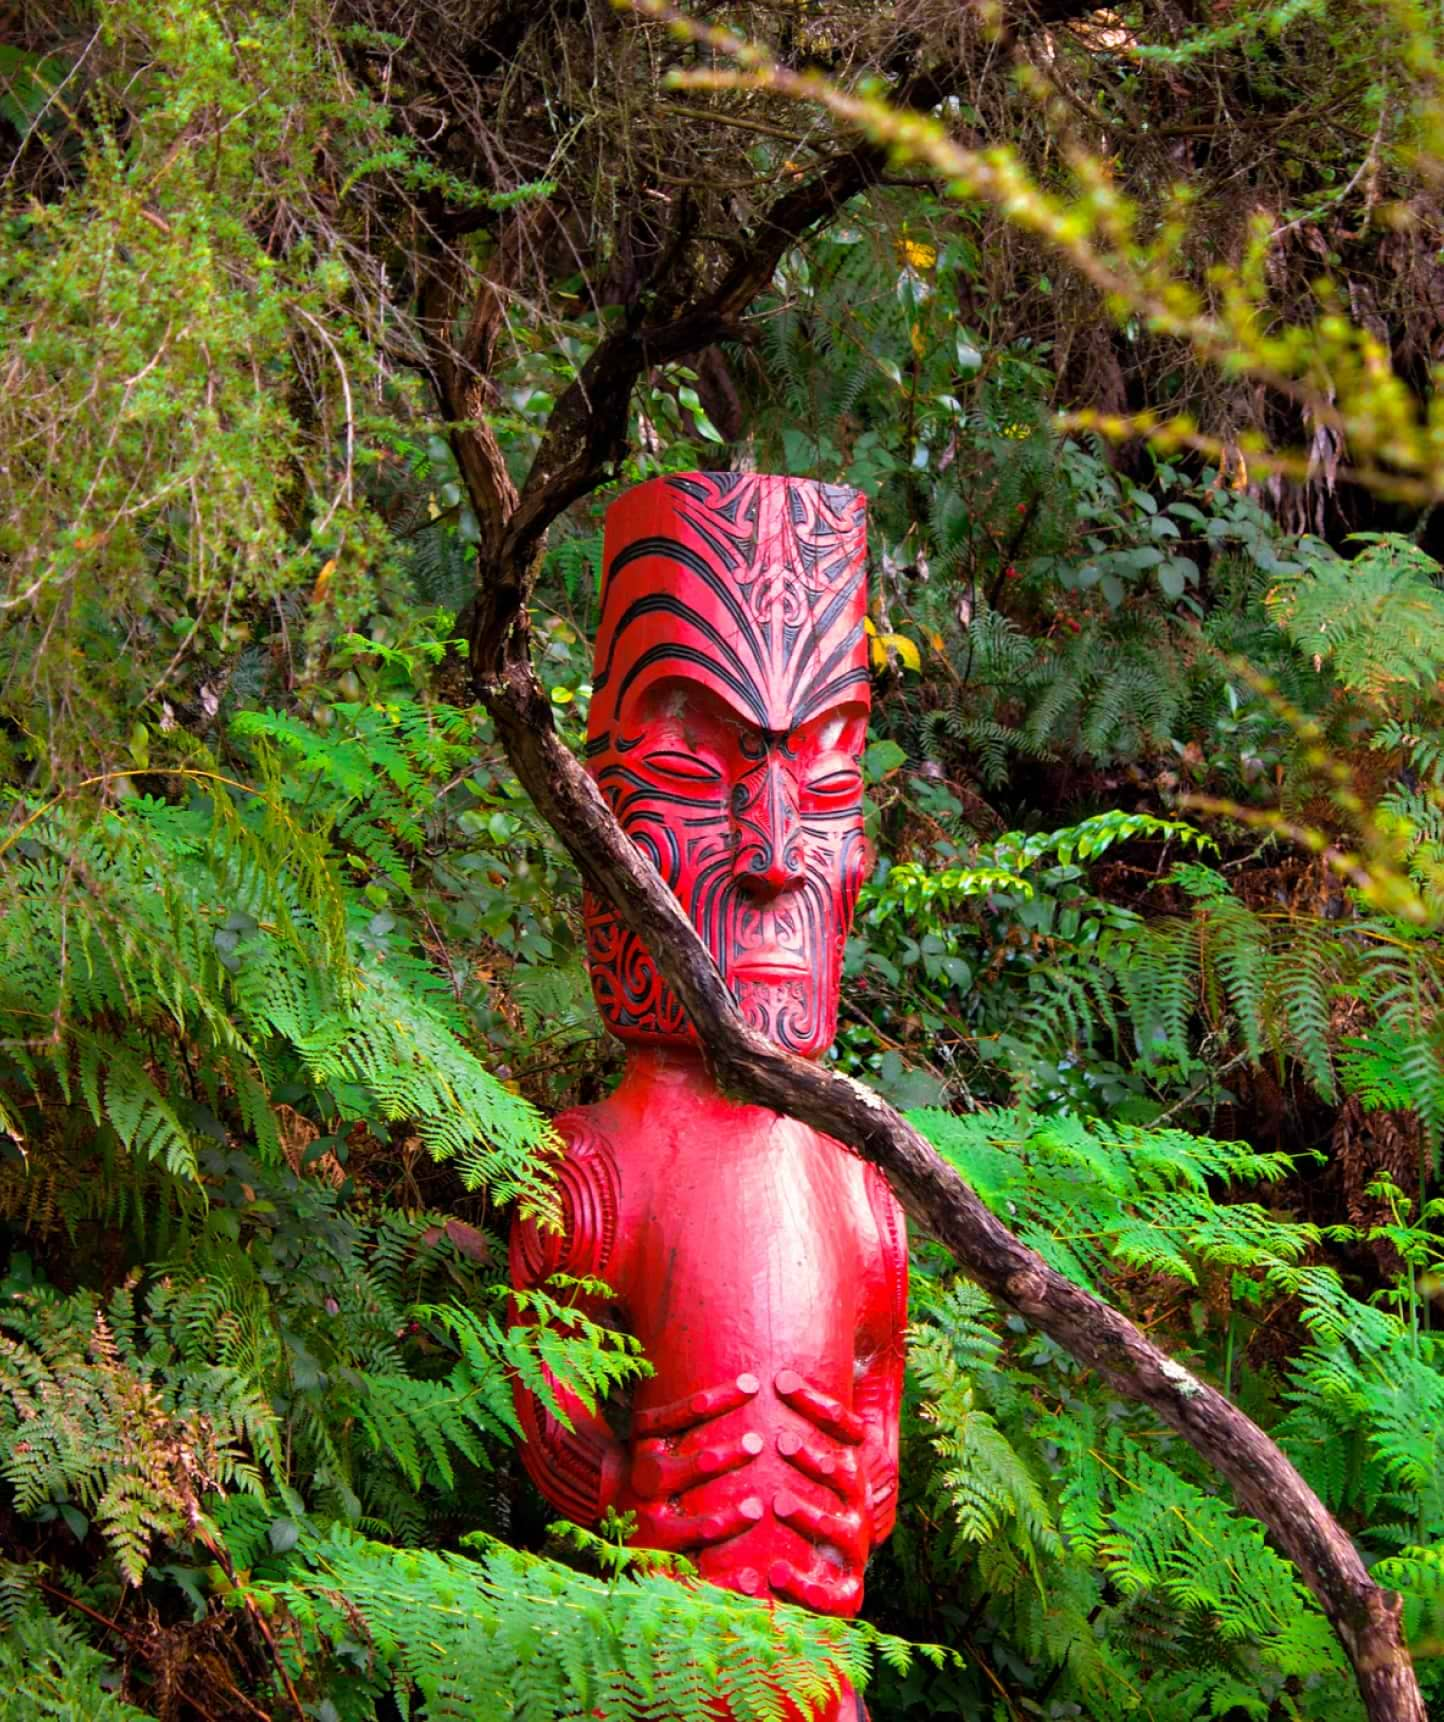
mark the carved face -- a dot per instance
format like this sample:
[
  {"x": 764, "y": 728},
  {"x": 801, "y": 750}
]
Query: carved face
[{"x": 729, "y": 710}]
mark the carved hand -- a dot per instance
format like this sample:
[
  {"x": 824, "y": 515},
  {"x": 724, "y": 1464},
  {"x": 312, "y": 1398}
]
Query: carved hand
[
  {"x": 661, "y": 1475},
  {"x": 829, "y": 1457}
]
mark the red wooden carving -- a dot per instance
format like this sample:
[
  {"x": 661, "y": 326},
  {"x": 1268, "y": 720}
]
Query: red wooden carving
[{"x": 762, "y": 1266}]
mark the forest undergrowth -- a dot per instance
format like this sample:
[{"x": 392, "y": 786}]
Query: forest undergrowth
[{"x": 291, "y": 971}]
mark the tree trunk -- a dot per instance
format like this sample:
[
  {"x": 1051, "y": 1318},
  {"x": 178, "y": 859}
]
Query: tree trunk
[
  {"x": 585, "y": 438},
  {"x": 750, "y": 1068}
]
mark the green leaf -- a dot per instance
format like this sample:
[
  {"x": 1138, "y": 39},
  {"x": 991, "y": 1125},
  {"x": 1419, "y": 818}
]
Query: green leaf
[
  {"x": 881, "y": 759},
  {"x": 283, "y": 1535},
  {"x": 26, "y": 84},
  {"x": 692, "y": 401}
]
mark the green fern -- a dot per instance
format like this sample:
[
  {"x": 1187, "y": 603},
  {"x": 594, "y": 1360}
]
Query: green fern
[
  {"x": 48, "y": 1673},
  {"x": 1418, "y": 1573},
  {"x": 1377, "y": 620},
  {"x": 231, "y": 923},
  {"x": 1049, "y": 1487},
  {"x": 508, "y": 1634},
  {"x": 986, "y": 1482},
  {"x": 88, "y": 1417}
]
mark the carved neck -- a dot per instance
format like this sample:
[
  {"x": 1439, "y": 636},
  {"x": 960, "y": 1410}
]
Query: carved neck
[
  {"x": 664, "y": 1067},
  {"x": 673, "y": 1079}
]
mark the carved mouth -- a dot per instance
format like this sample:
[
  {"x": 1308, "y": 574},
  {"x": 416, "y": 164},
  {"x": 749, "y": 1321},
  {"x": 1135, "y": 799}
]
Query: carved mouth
[{"x": 773, "y": 965}]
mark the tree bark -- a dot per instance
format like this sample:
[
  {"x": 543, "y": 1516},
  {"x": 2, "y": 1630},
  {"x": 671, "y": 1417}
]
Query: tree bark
[
  {"x": 585, "y": 437},
  {"x": 750, "y": 1068}
]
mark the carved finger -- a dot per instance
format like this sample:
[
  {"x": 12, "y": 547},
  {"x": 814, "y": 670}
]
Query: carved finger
[
  {"x": 882, "y": 1504},
  {"x": 661, "y": 1527},
  {"x": 881, "y": 1491},
  {"x": 834, "y": 1466},
  {"x": 823, "y": 1596},
  {"x": 842, "y": 1531},
  {"x": 695, "y": 1408},
  {"x": 829, "y": 1414},
  {"x": 656, "y": 1472}
]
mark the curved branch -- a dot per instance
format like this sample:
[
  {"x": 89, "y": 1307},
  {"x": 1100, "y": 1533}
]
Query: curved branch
[
  {"x": 586, "y": 434},
  {"x": 1365, "y": 1618},
  {"x": 585, "y": 439}
]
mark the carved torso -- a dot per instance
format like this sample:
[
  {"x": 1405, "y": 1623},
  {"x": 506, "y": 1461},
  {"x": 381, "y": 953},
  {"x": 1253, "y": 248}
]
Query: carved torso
[{"x": 764, "y": 1270}]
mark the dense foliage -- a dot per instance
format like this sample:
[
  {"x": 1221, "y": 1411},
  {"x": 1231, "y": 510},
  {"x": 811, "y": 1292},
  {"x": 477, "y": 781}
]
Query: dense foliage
[{"x": 290, "y": 968}]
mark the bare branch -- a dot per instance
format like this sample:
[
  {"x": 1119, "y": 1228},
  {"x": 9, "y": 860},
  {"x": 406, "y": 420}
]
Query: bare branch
[
  {"x": 584, "y": 441},
  {"x": 752, "y": 1069},
  {"x": 459, "y": 376}
]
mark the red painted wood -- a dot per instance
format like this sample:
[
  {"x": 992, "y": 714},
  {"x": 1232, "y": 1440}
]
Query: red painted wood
[
  {"x": 763, "y": 1266},
  {"x": 729, "y": 709}
]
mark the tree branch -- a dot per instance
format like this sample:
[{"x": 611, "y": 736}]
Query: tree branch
[
  {"x": 750, "y": 1068},
  {"x": 586, "y": 435},
  {"x": 585, "y": 439},
  {"x": 459, "y": 375}
]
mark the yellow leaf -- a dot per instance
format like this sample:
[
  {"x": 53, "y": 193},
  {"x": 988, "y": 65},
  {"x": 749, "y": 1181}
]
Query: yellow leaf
[
  {"x": 917, "y": 340},
  {"x": 878, "y": 652},
  {"x": 323, "y": 580},
  {"x": 905, "y": 648},
  {"x": 916, "y": 254},
  {"x": 869, "y": 625},
  {"x": 562, "y": 696}
]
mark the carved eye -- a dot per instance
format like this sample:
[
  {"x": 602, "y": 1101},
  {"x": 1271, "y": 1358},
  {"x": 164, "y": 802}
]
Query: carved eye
[
  {"x": 835, "y": 784},
  {"x": 686, "y": 766}
]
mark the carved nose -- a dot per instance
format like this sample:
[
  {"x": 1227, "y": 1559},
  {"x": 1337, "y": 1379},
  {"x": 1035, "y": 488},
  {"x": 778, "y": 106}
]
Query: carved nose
[{"x": 771, "y": 851}]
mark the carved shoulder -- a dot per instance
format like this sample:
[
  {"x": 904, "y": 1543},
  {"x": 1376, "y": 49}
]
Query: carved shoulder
[{"x": 590, "y": 1192}]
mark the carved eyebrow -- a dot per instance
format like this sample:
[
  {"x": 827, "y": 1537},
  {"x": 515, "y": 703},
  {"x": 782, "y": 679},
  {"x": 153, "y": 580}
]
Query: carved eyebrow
[
  {"x": 845, "y": 710},
  {"x": 731, "y": 711},
  {"x": 829, "y": 695},
  {"x": 692, "y": 655}
]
